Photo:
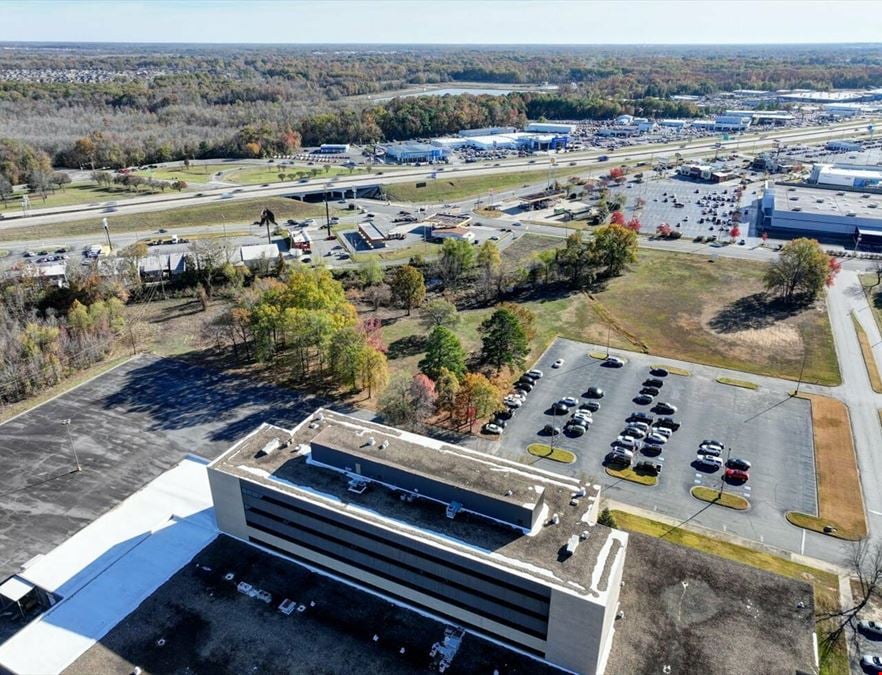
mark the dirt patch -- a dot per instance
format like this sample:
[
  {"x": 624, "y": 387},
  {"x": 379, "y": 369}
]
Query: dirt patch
[{"x": 747, "y": 340}]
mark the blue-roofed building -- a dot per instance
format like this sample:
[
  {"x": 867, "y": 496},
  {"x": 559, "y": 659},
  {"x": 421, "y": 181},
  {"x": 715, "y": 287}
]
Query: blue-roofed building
[{"x": 409, "y": 151}]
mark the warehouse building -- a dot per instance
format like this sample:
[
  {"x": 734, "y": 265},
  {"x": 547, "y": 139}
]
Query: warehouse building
[
  {"x": 404, "y": 153},
  {"x": 822, "y": 213},
  {"x": 550, "y": 128},
  {"x": 487, "y": 131},
  {"x": 732, "y": 122},
  {"x": 856, "y": 176},
  {"x": 844, "y": 146},
  {"x": 499, "y": 548}
]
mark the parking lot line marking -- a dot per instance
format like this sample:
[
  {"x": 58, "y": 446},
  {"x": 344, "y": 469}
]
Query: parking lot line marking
[
  {"x": 697, "y": 481},
  {"x": 875, "y": 513},
  {"x": 802, "y": 546}
]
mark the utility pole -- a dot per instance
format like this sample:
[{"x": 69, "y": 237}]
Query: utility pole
[
  {"x": 327, "y": 214},
  {"x": 723, "y": 477},
  {"x": 70, "y": 444}
]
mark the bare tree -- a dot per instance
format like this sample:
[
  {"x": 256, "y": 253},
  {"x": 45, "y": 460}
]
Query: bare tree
[{"x": 864, "y": 561}]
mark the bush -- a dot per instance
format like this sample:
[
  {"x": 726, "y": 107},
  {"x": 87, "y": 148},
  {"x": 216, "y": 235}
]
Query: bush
[{"x": 606, "y": 518}]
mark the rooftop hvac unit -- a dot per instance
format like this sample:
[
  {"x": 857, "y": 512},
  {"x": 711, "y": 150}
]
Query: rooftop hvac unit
[
  {"x": 384, "y": 445},
  {"x": 371, "y": 441},
  {"x": 268, "y": 449},
  {"x": 572, "y": 544}
]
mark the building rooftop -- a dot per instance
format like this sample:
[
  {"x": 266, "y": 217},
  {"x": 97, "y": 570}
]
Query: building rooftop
[
  {"x": 540, "y": 555},
  {"x": 208, "y": 626},
  {"x": 828, "y": 201},
  {"x": 442, "y": 220},
  {"x": 372, "y": 230}
]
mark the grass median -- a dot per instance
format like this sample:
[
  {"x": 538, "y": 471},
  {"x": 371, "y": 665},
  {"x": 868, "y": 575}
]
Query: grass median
[
  {"x": 825, "y": 584},
  {"x": 732, "y": 382},
  {"x": 840, "y": 501},
  {"x": 867, "y": 352},
  {"x": 727, "y": 499},
  {"x": 629, "y": 474},
  {"x": 554, "y": 454},
  {"x": 232, "y": 212},
  {"x": 450, "y": 186}
]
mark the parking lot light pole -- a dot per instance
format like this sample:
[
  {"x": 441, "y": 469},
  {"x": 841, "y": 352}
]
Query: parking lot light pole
[
  {"x": 70, "y": 444},
  {"x": 107, "y": 232},
  {"x": 723, "y": 478}
]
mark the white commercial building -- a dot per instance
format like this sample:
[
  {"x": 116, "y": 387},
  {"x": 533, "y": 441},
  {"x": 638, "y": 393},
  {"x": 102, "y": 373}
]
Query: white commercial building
[
  {"x": 732, "y": 122},
  {"x": 551, "y": 127},
  {"x": 846, "y": 175}
]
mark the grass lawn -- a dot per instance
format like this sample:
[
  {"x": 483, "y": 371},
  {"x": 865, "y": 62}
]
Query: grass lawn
[
  {"x": 840, "y": 501},
  {"x": 524, "y": 248},
  {"x": 554, "y": 454},
  {"x": 629, "y": 474},
  {"x": 425, "y": 249},
  {"x": 726, "y": 499},
  {"x": 449, "y": 186},
  {"x": 197, "y": 173},
  {"x": 826, "y": 584},
  {"x": 867, "y": 352},
  {"x": 78, "y": 193},
  {"x": 744, "y": 384},
  {"x": 678, "y": 306},
  {"x": 231, "y": 211}
]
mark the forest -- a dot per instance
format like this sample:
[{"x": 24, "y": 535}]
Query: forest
[{"x": 113, "y": 105}]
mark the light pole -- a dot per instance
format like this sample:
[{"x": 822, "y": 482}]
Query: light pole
[
  {"x": 70, "y": 444},
  {"x": 107, "y": 232}
]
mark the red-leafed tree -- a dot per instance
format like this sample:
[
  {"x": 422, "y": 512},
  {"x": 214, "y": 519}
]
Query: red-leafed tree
[
  {"x": 633, "y": 224},
  {"x": 833, "y": 268},
  {"x": 735, "y": 232},
  {"x": 617, "y": 218},
  {"x": 371, "y": 328},
  {"x": 423, "y": 396},
  {"x": 617, "y": 173},
  {"x": 664, "y": 230}
]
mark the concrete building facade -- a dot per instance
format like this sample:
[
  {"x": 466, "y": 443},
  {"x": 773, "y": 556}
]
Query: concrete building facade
[{"x": 493, "y": 546}]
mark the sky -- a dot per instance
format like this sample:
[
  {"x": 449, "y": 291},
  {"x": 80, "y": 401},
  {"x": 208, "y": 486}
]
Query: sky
[{"x": 443, "y": 21}]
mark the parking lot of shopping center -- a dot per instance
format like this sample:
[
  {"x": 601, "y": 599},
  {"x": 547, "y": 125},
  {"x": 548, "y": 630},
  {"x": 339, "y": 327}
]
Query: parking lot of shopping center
[{"x": 768, "y": 428}]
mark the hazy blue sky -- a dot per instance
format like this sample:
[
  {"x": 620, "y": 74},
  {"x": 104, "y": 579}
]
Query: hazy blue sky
[{"x": 443, "y": 21}]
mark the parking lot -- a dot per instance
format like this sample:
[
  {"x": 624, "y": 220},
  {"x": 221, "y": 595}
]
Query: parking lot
[{"x": 765, "y": 426}]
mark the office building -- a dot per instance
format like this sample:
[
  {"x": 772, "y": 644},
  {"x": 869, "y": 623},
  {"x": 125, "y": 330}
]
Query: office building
[
  {"x": 406, "y": 152},
  {"x": 497, "y": 547}
]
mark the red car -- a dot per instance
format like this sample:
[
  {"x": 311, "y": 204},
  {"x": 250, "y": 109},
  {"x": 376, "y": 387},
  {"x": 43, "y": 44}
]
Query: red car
[{"x": 737, "y": 475}]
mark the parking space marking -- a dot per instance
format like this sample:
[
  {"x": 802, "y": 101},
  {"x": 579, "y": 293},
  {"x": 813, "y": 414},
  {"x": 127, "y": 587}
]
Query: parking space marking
[
  {"x": 875, "y": 513},
  {"x": 802, "y": 545}
]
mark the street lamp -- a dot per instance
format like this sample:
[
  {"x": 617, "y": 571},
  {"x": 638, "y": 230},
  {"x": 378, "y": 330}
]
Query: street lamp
[
  {"x": 107, "y": 232},
  {"x": 70, "y": 444}
]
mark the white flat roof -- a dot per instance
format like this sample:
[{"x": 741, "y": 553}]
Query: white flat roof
[
  {"x": 111, "y": 566},
  {"x": 15, "y": 588}
]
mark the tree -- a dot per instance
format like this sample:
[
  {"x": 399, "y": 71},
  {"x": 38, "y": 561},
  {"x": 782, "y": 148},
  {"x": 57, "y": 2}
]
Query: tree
[
  {"x": 408, "y": 402},
  {"x": 617, "y": 218},
  {"x": 439, "y": 312},
  {"x": 345, "y": 356},
  {"x": 408, "y": 287},
  {"x": 446, "y": 388},
  {"x": 477, "y": 397},
  {"x": 490, "y": 261},
  {"x": 634, "y": 224},
  {"x": 614, "y": 247},
  {"x": 374, "y": 369},
  {"x": 801, "y": 271},
  {"x": 617, "y": 173},
  {"x": 370, "y": 273},
  {"x": 504, "y": 342},
  {"x": 735, "y": 232},
  {"x": 606, "y": 518},
  {"x": 664, "y": 230},
  {"x": 443, "y": 351},
  {"x": 864, "y": 561},
  {"x": 5, "y": 189},
  {"x": 457, "y": 259},
  {"x": 423, "y": 397}
]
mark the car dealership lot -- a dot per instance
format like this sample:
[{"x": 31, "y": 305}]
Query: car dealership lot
[{"x": 764, "y": 426}]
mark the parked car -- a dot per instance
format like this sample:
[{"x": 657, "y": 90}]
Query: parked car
[
  {"x": 651, "y": 391},
  {"x": 625, "y": 442},
  {"x": 736, "y": 463},
  {"x": 591, "y": 406},
  {"x": 667, "y": 422},
  {"x": 594, "y": 392},
  {"x": 491, "y": 428},
  {"x": 665, "y": 408},
  {"x": 709, "y": 450},
  {"x": 576, "y": 430},
  {"x": 550, "y": 430},
  {"x": 634, "y": 432},
  {"x": 513, "y": 402},
  {"x": 525, "y": 386},
  {"x": 709, "y": 461},
  {"x": 651, "y": 449},
  {"x": 648, "y": 468},
  {"x": 873, "y": 661},
  {"x": 503, "y": 414},
  {"x": 560, "y": 408},
  {"x": 558, "y": 363},
  {"x": 659, "y": 372},
  {"x": 619, "y": 456},
  {"x": 658, "y": 439},
  {"x": 712, "y": 443},
  {"x": 535, "y": 374},
  {"x": 640, "y": 416},
  {"x": 871, "y": 628},
  {"x": 643, "y": 399},
  {"x": 569, "y": 401},
  {"x": 737, "y": 475},
  {"x": 526, "y": 377},
  {"x": 614, "y": 362},
  {"x": 664, "y": 431},
  {"x": 653, "y": 382},
  {"x": 643, "y": 426}
]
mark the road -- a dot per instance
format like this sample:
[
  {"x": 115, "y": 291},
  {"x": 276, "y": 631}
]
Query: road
[{"x": 584, "y": 159}]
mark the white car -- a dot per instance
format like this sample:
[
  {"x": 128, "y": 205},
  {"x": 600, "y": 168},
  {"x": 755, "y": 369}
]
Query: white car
[
  {"x": 614, "y": 361},
  {"x": 657, "y": 439},
  {"x": 583, "y": 419},
  {"x": 643, "y": 426},
  {"x": 535, "y": 374},
  {"x": 625, "y": 442},
  {"x": 558, "y": 363},
  {"x": 634, "y": 432},
  {"x": 513, "y": 402},
  {"x": 491, "y": 428},
  {"x": 569, "y": 401},
  {"x": 709, "y": 460},
  {"x": 662, "y": 431}
]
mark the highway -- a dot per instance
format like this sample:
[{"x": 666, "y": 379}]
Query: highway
[{"x": 584, "y": 159}]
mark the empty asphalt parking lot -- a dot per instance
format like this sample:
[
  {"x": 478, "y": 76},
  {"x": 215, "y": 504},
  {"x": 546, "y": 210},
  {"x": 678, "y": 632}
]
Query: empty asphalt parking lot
[
  {"x": 127, "y": 426},
  {"x": 765, "y": 426}
]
